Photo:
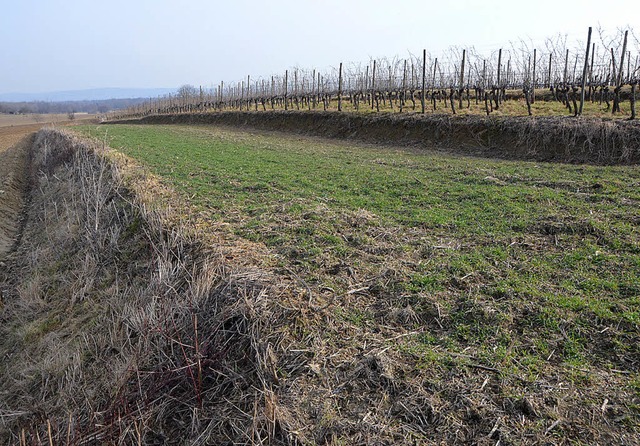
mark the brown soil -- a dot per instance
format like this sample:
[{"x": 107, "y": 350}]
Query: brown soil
[
  {"x": 14, "y": 145},
  {"x": 38, "y": 120},
  {"x": 10, "y": 135}
]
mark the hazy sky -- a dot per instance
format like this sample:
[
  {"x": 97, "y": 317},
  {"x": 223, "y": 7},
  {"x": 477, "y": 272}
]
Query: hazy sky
[{"x": 52, "y": 45}]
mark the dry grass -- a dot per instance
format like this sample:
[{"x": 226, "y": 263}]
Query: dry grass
[{"x": 119, "y": 329}]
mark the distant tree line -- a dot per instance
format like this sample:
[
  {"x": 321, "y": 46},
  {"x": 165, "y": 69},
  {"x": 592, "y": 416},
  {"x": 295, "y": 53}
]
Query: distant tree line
[{"x": 43, "y": 107}]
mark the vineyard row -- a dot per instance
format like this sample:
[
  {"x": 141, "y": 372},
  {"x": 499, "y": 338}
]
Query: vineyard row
[{"x": 596, "y": 74}]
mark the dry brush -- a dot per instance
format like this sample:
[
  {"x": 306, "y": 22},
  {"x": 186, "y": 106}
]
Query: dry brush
[{"x": 118, "y": 326}]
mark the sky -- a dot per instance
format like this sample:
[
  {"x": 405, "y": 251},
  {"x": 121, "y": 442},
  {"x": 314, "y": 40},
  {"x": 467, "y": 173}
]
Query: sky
[{"x": 54, "y": 45}]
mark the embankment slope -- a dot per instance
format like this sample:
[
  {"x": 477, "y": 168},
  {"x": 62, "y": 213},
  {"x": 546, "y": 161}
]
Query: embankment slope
[{"x": 564, "y": 139}]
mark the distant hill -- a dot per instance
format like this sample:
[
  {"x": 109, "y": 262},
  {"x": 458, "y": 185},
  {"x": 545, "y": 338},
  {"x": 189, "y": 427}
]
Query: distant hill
[{"x": 96, "y": 94}]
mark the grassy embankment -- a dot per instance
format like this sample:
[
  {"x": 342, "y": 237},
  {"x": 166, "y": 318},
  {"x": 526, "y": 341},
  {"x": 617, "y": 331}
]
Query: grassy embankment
[{"x": 527, "y": 270}]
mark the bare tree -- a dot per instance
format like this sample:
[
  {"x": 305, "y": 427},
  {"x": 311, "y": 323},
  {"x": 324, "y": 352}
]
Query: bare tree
[{"x": 187, "y": 92}]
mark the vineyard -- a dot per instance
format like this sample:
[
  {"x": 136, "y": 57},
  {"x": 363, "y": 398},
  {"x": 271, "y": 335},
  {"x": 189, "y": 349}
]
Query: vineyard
[{"x": 596, "y": 77}]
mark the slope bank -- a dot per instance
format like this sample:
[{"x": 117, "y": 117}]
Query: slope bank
[
  {"x": 119, "y": 326},
  {"x": 567, "y": 139}
]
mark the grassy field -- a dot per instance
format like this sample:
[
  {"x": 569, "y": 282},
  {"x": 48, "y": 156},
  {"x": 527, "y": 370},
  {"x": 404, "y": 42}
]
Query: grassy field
[{"x": 503, "y": 280}]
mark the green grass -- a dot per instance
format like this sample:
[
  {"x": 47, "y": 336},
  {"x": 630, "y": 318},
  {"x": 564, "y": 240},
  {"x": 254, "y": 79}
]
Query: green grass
[{"x": 522, "y": 264}]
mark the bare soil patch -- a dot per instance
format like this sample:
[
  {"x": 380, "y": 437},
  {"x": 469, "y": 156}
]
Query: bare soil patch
[
  {"x": 13, "y": 183},
  {"x": 38, "y": 120},
  {"x": 10, "y": 135}
]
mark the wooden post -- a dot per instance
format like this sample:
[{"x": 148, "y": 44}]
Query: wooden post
[
  {"x": 319, "y": 80},
  {"x": 624, "y": 53},
  {"x": 340, "y": 88},
  {"x": 424, "y": 72},
  {"x": 248, "y": 92},
  {"x": 242, "y": 96},
  {"x": 313, "y": 88},
  {"x": 484, "y": 74},
  {"x": 373, "y": 87},
  {"x": 366, "y": 81},
  {"x": 526, "y": 86},
  {"x": 533, "y": 80},
  {"x": 619, "y": 76},
  {"x": 549, "y": 73},
  {"x": 273, "y": 92},
  {"x": 295, "y": 88},
  {"x": 435, "y": 69},
  {"x": 286, "y": 86},
  {"x": 467, "y": 88},
  {"x": 612, "y": 74},
  {"x": 404, "y": 85},
  {"x": 461, "y": 87},
  {"x": 499, "y": 86},
  {"x": 566, "y": 67},
  {"x": 584, "y": 71},
  {"x": 593, "y": 57}
]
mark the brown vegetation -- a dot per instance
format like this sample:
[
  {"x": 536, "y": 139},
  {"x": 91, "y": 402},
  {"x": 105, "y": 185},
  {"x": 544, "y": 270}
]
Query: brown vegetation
[{"x": 119, "y": 326}]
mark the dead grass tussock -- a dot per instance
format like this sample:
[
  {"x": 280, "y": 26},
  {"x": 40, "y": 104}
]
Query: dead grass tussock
[
  {"x": 122, "y": 329},
  {"x": 578, "y": 140}
]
